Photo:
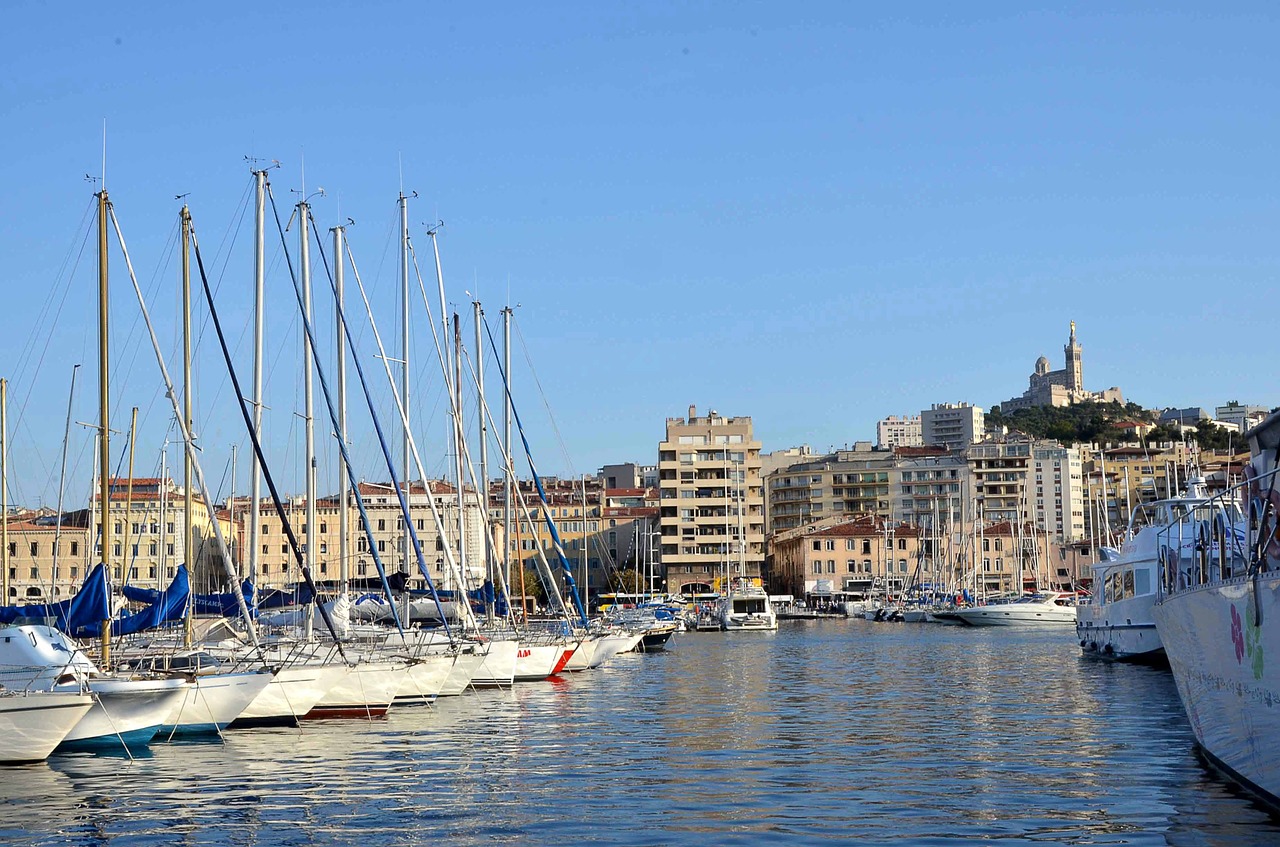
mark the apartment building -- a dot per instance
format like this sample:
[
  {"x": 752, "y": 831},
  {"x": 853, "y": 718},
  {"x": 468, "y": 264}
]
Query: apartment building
[
  {"x": 1058, "y": 493},
  {"x": 999, "y": 470},
  {"x": 913, "y": 484},
  {"x": 895, "y": 431},
  {"x": 711, "y": 501},
  {"x": 952, "y": 425}
]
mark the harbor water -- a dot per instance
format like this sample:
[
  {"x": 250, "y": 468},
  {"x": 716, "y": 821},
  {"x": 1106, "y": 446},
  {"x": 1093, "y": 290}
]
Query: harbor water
[{"x": 824, "y": 731}]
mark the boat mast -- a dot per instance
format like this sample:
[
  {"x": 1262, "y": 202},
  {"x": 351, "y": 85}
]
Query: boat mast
[
  {"x": 104, "y": 407},
  {"x": 509, "y": 474},
  {"x": 259, "y": 303},
  {"x": 458, "y": 436},
  {"x": 304, "y": 215},
  {"x": 406, "y": 474},
  {"x": 62, "y": 479},
  {"x": 344, "y": 477},
  {"x": 483, "y": 495},
  {"x": 188, "y": 534}
]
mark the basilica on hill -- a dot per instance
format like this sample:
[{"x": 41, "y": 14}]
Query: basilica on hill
[{"x": 1061, "y": 388}]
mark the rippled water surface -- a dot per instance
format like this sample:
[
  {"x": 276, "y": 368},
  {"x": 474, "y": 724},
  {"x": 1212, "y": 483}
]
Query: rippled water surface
[{"x": 823, "y": 731}]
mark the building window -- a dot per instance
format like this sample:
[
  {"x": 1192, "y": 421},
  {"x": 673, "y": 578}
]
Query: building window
[
  {"x": 35, "y": 548},
  {"x": 817, "y": 566},
  {"x": 853, "y": 566},
  {"x": 902, "y": 544},
  {"x": 75, "y": 550}
]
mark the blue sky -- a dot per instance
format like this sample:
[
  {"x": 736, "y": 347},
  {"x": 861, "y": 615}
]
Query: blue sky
[{"x": 839, "y": 212}]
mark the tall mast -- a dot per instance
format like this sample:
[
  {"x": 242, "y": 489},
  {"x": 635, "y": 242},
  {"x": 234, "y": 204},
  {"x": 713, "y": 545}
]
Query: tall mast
[
  {"x": 104, "y": 407},
  {"x": 188, "y": 542},
  {"x": 406, "y": 538},
  {"x": 304, "y": 214},
  {"x": 344, "y": 478},
  {"x": 458, "y": 435},
  {"x": 507, "y": 496},
  {"x": 259, "y": 304},
  {"x": 483, "y": 493},
  {"x": 104, "y": 411}
]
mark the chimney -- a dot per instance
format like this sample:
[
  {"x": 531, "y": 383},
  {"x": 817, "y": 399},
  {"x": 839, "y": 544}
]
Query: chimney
[{"x": 693, "y": 412}]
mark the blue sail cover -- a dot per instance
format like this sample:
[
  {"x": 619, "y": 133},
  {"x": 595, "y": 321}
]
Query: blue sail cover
[
  {"x": 169, "y": 605},
  {"x": 79, "y": 617},
  {"x": 225, "y": 604}
]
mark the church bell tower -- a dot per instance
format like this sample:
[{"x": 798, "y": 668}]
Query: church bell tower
[{"x": 1075, "y": 365}]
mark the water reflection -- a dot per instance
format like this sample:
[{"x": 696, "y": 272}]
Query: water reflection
[{"x": 824, "y": 730}]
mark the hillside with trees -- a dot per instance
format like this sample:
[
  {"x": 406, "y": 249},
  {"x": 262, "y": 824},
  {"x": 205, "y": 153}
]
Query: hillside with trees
[{"x": 1082, "y": 422}]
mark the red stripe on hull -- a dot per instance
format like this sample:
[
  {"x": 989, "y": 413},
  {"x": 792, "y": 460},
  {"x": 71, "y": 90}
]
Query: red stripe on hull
[{"x": 323, "y": 712}]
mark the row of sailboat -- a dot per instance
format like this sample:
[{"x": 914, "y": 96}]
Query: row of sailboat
[{"x": 162, "y": 671}]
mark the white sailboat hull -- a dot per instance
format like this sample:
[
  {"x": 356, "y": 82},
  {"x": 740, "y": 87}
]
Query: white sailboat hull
[
  {"x": 1227, "y": 668},
  {"x": 212, "y": 701},
  {"x": 499, "y": 665},
  {"x": 536, "y": 662},
  {"x": 366, "y": 691},
  {"x": 128, "y": 709},
  {"x": 465, "y": 666},
  {"x": 583, "y": 655},
  {"x": 425, "y": 678},
  {"x": 32, "y": 725},
  {"x": 292, "y": 692},
  {"x": 617, "y": 643}
]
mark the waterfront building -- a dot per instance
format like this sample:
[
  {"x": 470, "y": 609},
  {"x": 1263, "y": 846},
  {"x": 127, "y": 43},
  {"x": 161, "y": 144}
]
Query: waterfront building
[
  {"x": 147, "y": 539},
  {"x": 1191, "y": 416},
  {"x": 147, "y": 544},
  {"x": 31, "y": 576},
  {"x": 895, "y": 431},
  {"x": 842, "y": 557},
  {"x": 711, "y": 501},
  {"x": 951, "y": 425},
  {"x": 1062, "y": 387}
]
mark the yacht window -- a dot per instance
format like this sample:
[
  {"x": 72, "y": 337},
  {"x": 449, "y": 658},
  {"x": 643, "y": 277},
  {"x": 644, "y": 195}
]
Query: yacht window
[{"x": 1128, "y": 583}]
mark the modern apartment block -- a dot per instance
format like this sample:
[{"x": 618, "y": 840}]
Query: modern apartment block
[
  {"x": 915, "y": 484},
  {"x": 952, "y": 425},
  {"x": 999, "y": 470},
  {"x": 1058, "y": 492},
  {"x": 895, "y": 431},
  {"x": 711, "y": 501}
]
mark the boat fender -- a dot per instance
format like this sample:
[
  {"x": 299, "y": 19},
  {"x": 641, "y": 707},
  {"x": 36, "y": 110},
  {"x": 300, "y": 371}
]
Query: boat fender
[{"x": 1108, "y": 650}]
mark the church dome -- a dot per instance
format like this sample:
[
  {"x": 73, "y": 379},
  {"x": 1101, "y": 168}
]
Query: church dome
[{"x": 1042, "y": 366}]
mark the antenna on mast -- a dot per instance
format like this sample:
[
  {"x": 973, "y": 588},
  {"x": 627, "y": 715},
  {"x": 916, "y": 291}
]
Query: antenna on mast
[{"x": 104, "y": 154}]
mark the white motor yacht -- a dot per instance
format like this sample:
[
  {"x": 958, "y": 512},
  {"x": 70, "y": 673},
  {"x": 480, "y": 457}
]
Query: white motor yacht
[
  {"x": 747, "y": 607},
  {"x": 1218, "y": 617},
  {"x": 1117, "y": 621},
  {"x": 1051, "y": 608}
]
